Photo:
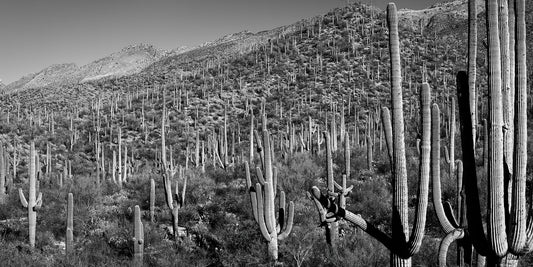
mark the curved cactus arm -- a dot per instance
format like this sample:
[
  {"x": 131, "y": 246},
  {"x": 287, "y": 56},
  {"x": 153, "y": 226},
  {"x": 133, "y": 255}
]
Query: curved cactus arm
[
  {"x": 322, "y": 212},
  {"x": 387, "y": 128},
  {"x": 23, "y": 198},
  {"x": 529, "y": 236},
  {"x": 473, "y": 216},
  {"x": 446, "y": 242},
  {"x": 448, "y": 212},
  {"x": 261, "y": 213},
  {"x": 332, "y": 211},
  {"x": 39, "y": 201},
  {"x": 445, "y": 223},
  {"x": 168, "y": 190},
  {"x": 251, "y": 189},
  {"x": 288, "y": 225},
  {"x": 268, "y": 208},
  {"x": 417, "y": 235}
]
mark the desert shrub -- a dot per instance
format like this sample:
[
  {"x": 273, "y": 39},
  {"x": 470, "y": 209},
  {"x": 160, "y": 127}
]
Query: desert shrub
[{"x": 298, "y": 175}]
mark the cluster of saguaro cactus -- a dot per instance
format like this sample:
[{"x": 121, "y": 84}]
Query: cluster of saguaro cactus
[
  {"x": 174, "y": 200},
  {"x": 401, "y": 247},
  {"x": 262, "y": 197},
  {"x": 509, "y": 230},
  {"x": 34, "y": 202}
]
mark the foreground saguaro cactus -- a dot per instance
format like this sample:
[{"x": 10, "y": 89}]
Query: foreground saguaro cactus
[
  {"x": 33, "y": 203},
  {"x": 401, "y": 247},
  {"x": 262, "y": 196},
  {"x": 509, "y": 230}
]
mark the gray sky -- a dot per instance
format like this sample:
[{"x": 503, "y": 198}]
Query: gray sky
[{"x": 37, "y": 33}]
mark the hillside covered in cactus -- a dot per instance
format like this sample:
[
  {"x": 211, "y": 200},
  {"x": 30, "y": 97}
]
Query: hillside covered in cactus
[{"x": 265, "y": 148}]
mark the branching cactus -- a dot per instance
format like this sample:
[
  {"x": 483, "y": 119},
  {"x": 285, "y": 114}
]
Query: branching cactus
[
  {"x": 138, "y": 239},
  {"x": 509, "y": 230},
  {"x": 402, "y": 248},
  {"x": 263, "y": 195},
  {"x": 34, "y": 202},
  {"x": 69, "y": 241},
  {"x": 174, "y": 200},
  {"x": 453, "y": 229}
]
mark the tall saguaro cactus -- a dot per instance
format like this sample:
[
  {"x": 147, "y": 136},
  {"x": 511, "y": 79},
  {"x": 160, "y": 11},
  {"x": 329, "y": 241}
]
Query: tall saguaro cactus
[
  {"x": 401, "y": 247},
  {"x": 34, "y": 202},
  {"x": 262, "y": 196},
  {"x": 506, "y": 238}
]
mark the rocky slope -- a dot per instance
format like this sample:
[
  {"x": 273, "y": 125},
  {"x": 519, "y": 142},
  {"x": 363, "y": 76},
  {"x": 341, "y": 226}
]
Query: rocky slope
[{"x": 128, "y": 61}]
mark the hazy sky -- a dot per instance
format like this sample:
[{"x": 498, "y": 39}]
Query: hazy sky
[{"x": 37, "y": 33}]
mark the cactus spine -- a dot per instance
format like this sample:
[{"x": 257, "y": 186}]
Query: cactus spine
[{"x": 33, "y": 203}]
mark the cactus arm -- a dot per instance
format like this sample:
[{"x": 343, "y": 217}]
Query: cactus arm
[
  {"x": 260, "y": 176},
  {"x": 417, "y": 235},
  {"x": 253, "y": 195},
  {"x": 474, "y": 218},
  {"x": 446, "y": 242},
  {"x": 38, "y": 202},
  {"x": 518, "y": 230},
  {"x": 330, "y": 212},
  {"x": 435, "y": 172},
  {"x": 448, "y": 212},
  {"x": 267, "y": 203},
  {"x": 387, "y": 128},
  {"x": 168, "y": 190},
  {"x": 183, "y": 189},
  {"x": 288, "y": 225},
  {"x": 23, "y": 198},
  {"x": 261, "y": 213}
]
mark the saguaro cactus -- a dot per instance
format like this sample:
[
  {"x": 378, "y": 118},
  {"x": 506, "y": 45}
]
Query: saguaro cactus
[
  {"x": 262, "y": 196},
  {"x": 69, "y": 241},
  {"x": 507, "y": 238},
  {"x": 401, "y": 248},
  {"x": 152, "y": 200},
  {"x": 33, "y": 203},
  {"x": 138, "y": 239},
  {"x": 174, "y": 200},
  {"x": 3, "y": 176}
]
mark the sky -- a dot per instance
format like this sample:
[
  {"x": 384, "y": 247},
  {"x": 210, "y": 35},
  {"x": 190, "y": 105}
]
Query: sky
[{"x": 35, "y": 34}]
